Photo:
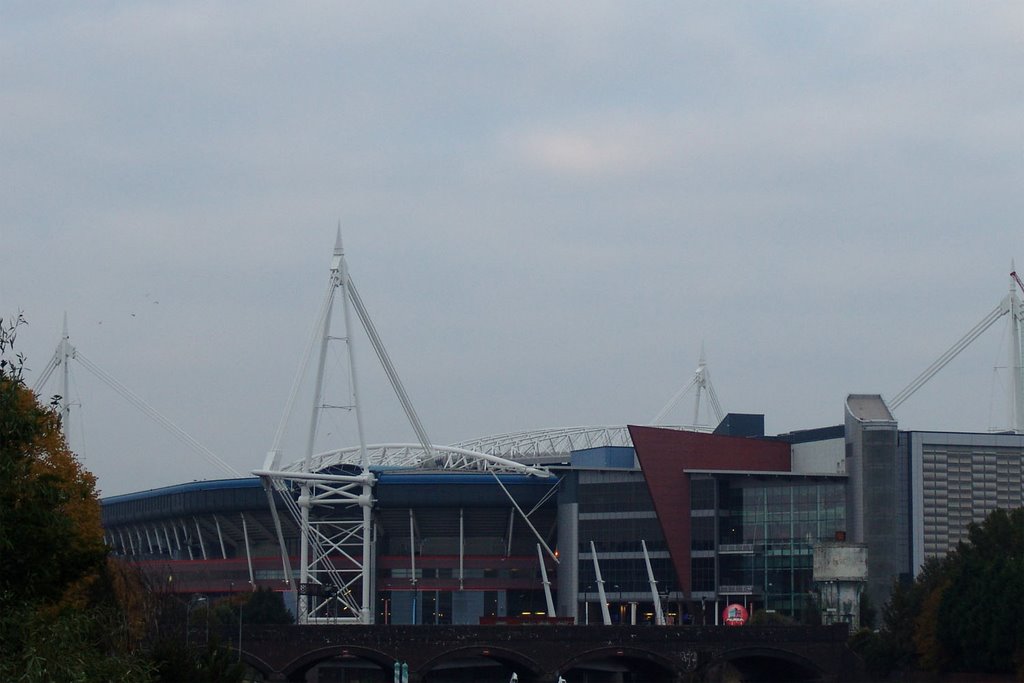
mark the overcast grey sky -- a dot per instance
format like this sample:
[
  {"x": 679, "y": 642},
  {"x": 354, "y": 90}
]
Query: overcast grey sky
[{"x": 547, "y": 207}]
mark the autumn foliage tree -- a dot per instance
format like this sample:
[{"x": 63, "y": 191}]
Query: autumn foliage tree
[
  {"x": 51, "y": 539},
  {"x": 58, "y": 606}
]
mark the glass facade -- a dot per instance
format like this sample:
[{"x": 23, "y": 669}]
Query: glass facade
[
  {"x": 766, "y": 530},
  {"x": 616, "y": 513}
]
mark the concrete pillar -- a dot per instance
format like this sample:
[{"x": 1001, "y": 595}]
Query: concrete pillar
[{"x": 568, "y": 549}]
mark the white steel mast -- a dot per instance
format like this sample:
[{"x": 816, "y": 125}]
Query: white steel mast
[
  {"x": 1010, "y": 305},
  {"x": 331, "y": 496},
  {"x": 369, "y": 589},
  {"x": 1016, "y": 351},
  {"x": 334, "y": 511},
  {"x": 702, "y": 381},
  {"x": 328, "y": 538},
  {"x": 67, "y": 352}
]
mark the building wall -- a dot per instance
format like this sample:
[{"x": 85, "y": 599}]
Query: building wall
[
  {"x": 820, "y": 457},
  {"x": 958, "y": 479}
]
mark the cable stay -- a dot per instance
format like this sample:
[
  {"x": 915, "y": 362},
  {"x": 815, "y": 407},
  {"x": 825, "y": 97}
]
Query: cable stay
[
  {"x": 334, "y": 510},
  {"x": 951, "y": 353},
  {"x": 158, "y": 417},
  {"x": 1010, "y": 305},
  {"x": 66, "y": 352},
  {"x": 526, "y": 518},
  {"x": 389, "y": 368},
  {"x": 701, "y": 380}
]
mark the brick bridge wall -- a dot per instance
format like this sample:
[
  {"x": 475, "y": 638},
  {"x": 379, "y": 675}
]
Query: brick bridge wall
[{"x": 536, "y": 653}]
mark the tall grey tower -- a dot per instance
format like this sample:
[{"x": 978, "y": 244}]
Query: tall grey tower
[{"x": 877, "y": 494}]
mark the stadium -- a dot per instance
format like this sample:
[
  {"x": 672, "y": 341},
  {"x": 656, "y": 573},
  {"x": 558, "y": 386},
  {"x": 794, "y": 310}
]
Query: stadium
[{"x": 637, "y": 524}]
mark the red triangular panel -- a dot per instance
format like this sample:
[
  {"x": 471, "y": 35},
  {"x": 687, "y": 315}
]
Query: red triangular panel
[{"x": 664, "y": 454}]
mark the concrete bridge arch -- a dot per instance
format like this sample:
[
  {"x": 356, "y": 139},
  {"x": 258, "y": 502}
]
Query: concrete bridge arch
[
  {"x": 297, "y": 668},
  {"x": 526, "y": 668},
  {"x": 539, "y": 653},
  {"x": 653, "y": 664},
  {"x": 254, "y": 662},
  {"x": 762, "y": 663}
]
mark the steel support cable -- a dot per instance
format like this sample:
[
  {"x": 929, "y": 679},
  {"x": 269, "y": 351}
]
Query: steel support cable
[
  {"x": 47, "y": 371},
  {"x": 274, "y": 455},
  {"x": 150, "y": 411},
  {"x": 286, "y": 565},
  {"x": 546, "y": 496},
  {"x": 389, "y": 368},
  {"x": 949, "y": 355},
  {"x": 673, "y": 401},
  {"x": 714, "y": 399},
  {"x": 525, "y": 519},
  {"x": 287, "y": 494}
]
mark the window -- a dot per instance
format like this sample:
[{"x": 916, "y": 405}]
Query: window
[
  {"x": 702, "y": 494},
  {"x": 702, "y": 574}
]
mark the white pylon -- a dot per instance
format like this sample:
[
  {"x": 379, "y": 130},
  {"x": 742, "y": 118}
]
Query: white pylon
[
  {"x": 701, "y": 380},
  {"x": 330, "y": 495},
  {"x": 1016, "y": 310},
  {"x": 333, "y": 511},
  {"x": 1010, "y": 305}
]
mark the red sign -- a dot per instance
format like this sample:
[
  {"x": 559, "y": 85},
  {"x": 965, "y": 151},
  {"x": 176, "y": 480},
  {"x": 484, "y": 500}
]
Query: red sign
[{"x": 735, "y": 615}]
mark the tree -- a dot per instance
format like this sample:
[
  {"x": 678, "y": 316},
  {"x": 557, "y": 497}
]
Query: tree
[
  {"x": 51, "y": 540},
  {"x": 931, "y": 655},
  {"x": 961, "y": 612},
  {"x": 57, "y": 620},
  {"x": 867, "y": 611},
  {"x": 213, "y": 663},
  {"x": 262, "y": 606},
  {"x": 978, "y": 620},
  {"x": 900, "y": 616},
  {"x": 266, "y": 607}
]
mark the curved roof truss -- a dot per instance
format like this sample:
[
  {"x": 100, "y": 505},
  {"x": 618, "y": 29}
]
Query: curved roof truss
[
  {"x": 553, "y": 442},
  {"x": 409, "y": 456}
]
